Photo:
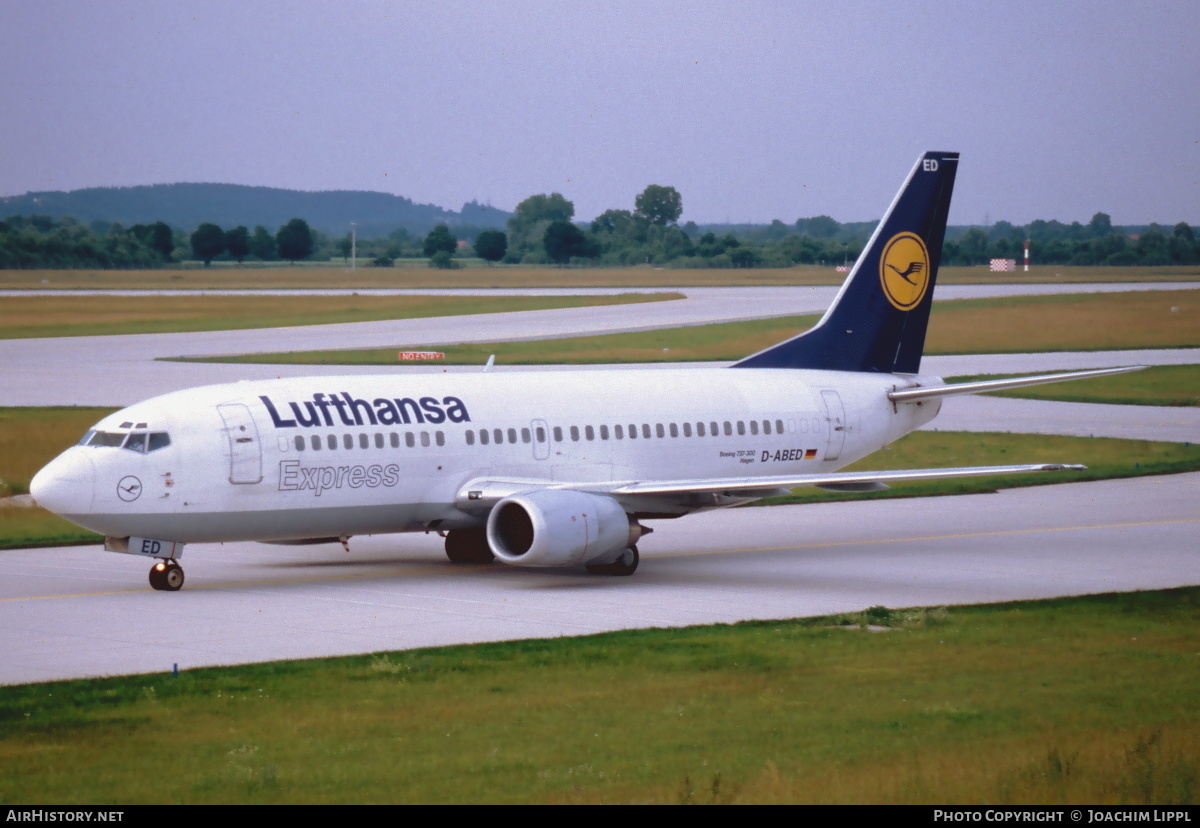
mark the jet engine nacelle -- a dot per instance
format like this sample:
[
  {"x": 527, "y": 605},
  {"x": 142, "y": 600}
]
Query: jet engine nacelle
[{"x": 556, "y": 527}]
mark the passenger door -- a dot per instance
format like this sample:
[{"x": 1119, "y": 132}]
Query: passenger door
[{"x": 835, "y": 421}]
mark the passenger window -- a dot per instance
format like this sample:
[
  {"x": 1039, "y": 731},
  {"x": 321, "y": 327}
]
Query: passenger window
[
  {"x": 409, "y": 439},
  {"x": 619, "y": 432},
  {"x": 754, "y": 427},
  {"x": 674, "y": 430},
  {"x": 483, "y": 436},
  {"x": 603, "y": 432},
  {"x": 525, "y": 435},
  {"x": 378, "y": 440},
  {"x": 439, "y": 438},
  {"x": 575, "y": 433},
  {"x": 646, "y": 431},
  {"x": 425, "y": 439},
  {"x": 699, "y": 429},
  {"x": 332, "y": 441},
  {"x": 364, "y": 441},
  {"x": 394, "y": 439},
  {"x": 558, "y": 434},
  {"x": 687, "y": 429},
  {"x": 299, "y": 443},
  {"x": 316, "y": 442},
  {"x": 470, "y": 437},
  {"x": 512, "y": 435},
  {"x": 541, "y": 434},
  {"x": 632, "y": 432},
  {"x": 741, "y": 427},
  {"x": 716, "y": 432},
  {"x": 160, "y": 439},
  {"x": 779, "y": 426},
  {"x": 728, "y": 428},
  {"x": 498, "y": 435},
  {"x": 136, "y": 442},
  {"x": 766, "y": 426},
  {"x": 589, "y": 432},
  {"x": 347, "y": 442}
]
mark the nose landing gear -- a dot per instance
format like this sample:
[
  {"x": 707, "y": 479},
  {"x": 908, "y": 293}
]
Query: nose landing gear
[{"x": 166, "y": 575}]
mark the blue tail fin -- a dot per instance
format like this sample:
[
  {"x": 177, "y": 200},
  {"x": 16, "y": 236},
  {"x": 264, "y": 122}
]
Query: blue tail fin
[{"x": 877, "y": 322}]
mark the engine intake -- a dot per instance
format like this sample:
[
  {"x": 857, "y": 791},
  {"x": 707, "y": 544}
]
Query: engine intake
[{"x": 556, "y": 527}]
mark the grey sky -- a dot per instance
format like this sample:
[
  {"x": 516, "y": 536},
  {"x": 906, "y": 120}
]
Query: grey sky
[{"x": 753, "y": 111}]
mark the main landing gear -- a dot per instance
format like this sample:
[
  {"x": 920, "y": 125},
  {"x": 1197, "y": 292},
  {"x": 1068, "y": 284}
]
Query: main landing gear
[
  {"x": 468, "y": 546},
  {"x": 166, "y": 575},
  {"x": 627, "y": 564}
]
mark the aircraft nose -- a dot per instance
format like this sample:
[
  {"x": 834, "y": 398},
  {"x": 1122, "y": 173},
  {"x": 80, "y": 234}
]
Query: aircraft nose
[{"x": 66, "y": 485}]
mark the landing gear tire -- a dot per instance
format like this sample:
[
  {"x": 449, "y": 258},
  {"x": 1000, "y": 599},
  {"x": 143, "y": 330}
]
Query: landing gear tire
[
  {"x": 166, "y": 576},
  {"x": 468, "y": 546},
  {"x": 623, "y": 566}
]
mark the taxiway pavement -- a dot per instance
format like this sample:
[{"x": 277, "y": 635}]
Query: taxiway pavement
[
  {"x": 75, "y": 611},
  {"x": 122, "y": 369},
  {"x": 71, "y": 612}
]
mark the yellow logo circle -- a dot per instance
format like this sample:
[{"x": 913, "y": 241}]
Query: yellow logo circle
[{"x": 904, "y": 270}]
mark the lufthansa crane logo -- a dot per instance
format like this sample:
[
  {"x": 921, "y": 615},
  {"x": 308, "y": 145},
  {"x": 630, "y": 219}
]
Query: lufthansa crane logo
[
  {"x": 904, "y": 270},
  {"x": 129, "y": 489}
]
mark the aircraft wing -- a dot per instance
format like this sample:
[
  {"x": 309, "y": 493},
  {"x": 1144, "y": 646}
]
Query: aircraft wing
[
  {"x": 485, "y": 493},
  {"x": 837, "y": 481}
]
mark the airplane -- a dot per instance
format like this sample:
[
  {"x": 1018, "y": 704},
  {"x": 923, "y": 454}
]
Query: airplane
[{"x": 540, "y": 469}]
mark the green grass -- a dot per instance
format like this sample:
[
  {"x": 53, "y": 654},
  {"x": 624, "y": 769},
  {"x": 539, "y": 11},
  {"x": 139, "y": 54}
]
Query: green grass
[
  {"x": 1104, "y": 457},
  {"x": 1173, "y": 385},
  {"x": 415, "y": 274},
  {"x": 31, "y": 437},
  {"x": 1070, "y": 701},
  {"x": 1070, "y": 322},
  {"x": 47, "y": 316},
  {"x": 29, "y": 526},
  {"x": 698, "y": 343}
]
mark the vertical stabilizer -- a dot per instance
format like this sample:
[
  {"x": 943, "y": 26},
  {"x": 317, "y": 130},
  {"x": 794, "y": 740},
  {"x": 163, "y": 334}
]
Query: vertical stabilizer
[{"x": 877, "y": 321}]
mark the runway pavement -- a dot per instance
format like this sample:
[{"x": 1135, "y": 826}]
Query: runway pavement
[
  {"x": 77, "y": 611},
  {"x": 120, "y": 370}
]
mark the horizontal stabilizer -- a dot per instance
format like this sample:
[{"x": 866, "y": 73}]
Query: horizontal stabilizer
[{"x": 920, "y": 394}]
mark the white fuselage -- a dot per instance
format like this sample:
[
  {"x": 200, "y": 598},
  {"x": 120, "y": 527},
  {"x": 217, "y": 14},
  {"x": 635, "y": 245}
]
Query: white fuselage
[{"x": 394, "y": 453}]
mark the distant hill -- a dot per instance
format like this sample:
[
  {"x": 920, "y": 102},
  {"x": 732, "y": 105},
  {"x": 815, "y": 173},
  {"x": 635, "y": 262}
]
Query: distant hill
[{"x": 186, "y": 206}]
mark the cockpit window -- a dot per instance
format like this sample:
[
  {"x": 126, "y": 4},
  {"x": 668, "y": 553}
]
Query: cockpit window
[{"x": 139, "y": 441}]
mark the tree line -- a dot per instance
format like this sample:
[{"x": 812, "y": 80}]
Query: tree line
[{"x": 542, "y": 230}]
